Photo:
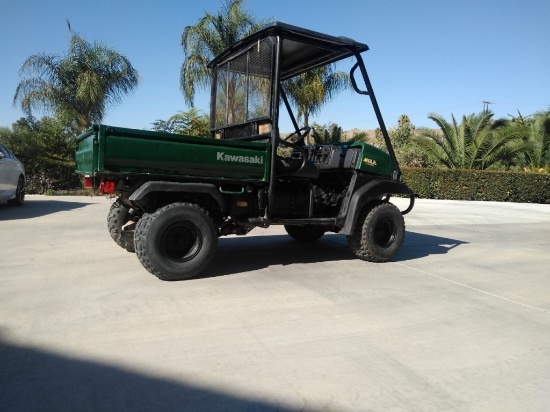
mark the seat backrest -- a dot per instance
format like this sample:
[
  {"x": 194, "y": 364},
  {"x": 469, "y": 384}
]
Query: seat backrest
[{"x": 254, "y": 131}]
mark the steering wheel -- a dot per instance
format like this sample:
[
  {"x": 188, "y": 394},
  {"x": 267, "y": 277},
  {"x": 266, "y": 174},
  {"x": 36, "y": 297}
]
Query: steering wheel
[
  {"x": 302, "y": 133},
  {"x": 297, "y": 144}
]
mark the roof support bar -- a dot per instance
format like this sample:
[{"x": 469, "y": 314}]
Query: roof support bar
[{"x": 370, "y": 92}]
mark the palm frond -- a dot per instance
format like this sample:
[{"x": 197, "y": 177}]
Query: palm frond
[
  {"x": 450, "y": 152},
  {"x": 210, "y": 36},
  {"x": 308, "y": 92},
  {"x": 81, "y": 84},
  {"x": 431, "y": 143}
]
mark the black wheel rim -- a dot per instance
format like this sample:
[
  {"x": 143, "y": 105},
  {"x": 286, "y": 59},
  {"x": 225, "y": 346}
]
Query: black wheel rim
[
  {"x": 385, "y": 232},
  {"x": 181, "y": 242}
]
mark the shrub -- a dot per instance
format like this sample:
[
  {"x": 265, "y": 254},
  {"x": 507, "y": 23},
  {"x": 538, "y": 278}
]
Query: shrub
[
  {"x": 499, "y": 186},
  {"x": 47, "y": 149}
]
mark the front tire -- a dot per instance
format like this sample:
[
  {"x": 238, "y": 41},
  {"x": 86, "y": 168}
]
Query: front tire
[
  {"x": 305, "y": 233},
  {"x": 19, "y": 193},
  {"x": 379, "y": 233},
  {"x": 176, "y": 242}
]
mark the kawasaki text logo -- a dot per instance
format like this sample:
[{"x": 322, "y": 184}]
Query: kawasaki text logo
[{"x": 258, "y": 160}]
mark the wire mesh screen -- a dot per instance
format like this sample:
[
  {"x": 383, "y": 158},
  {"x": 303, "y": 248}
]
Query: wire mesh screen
[{"x": 243, "y": 86}]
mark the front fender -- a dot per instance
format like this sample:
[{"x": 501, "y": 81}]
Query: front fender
[{"x": 370, "y": 191}]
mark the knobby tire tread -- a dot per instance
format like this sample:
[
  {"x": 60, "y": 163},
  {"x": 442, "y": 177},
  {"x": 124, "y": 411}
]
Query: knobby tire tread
[
  {"x": 358, "y": 241},
  {"x": 115, "y": 221},
  {"x": 140, "y": 237},
  {"x": 142, "y": 230}
]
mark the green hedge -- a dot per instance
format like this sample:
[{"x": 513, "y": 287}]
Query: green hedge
[
  {"x": 521, "y": 187},
  {"x": 43, "y": 176}
]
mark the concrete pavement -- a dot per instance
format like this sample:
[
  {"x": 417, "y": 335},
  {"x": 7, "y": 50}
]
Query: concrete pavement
[{"x": 458, "y": 321}]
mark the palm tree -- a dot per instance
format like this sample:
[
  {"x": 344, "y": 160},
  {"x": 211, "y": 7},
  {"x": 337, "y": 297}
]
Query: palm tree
[
  {"x": 212, "y": 34},
  {"x": 478, "y": 142},
  {"x": 537, "y": 156},
  {"x": 327, "y": 134},
  {"x": 311, "y": 90},
  {"x": 80, "y": 85}
]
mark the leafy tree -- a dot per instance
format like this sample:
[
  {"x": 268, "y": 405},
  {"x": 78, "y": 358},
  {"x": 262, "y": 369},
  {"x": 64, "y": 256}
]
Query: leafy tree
[
  {"x": 327, "y": 134},
  {"x": 80, "y": 85},
  {"x": 403, "y": 133},
  {"x": 361, "y": 136},
  {"x": 190, "y": 123},
  {"x": 46, "y": 147},
  {"x": 379, "y": 138},
  {"x": 212, "y": 34},
  {"x": 400, "y": 135},
  {"x": 310, "y": 91},
  {"x": 477, "y": 142}
]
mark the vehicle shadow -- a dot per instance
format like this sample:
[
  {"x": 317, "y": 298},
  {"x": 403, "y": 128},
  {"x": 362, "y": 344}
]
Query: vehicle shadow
[
  {"x": 37, "y": 208},
  {"x": 36, "y": 380},
  {"x": 419, "y": 245},
  {"x": 249, "y": 253}
]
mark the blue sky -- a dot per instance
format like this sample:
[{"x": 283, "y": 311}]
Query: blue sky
[{"x": 425, "y": 55}]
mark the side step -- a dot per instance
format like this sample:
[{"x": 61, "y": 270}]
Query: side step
[{"x": 326, "y": 221}]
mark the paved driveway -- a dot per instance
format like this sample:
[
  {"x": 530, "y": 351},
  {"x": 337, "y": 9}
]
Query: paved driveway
[{"x": 459, "y": 321}]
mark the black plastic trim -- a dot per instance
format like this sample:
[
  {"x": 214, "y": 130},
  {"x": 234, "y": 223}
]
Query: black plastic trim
[
  {"x": 156, "y": 186},
  {"x": 373, "y": 190}
]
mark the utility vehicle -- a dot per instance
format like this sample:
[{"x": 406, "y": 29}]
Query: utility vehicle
[{"x": 176, "y": 195}]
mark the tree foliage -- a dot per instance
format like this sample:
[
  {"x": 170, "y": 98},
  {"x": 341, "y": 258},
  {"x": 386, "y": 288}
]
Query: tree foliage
[
  {"x": 478, "y": 142},
  {"x": 402, "y": 136},
  {"x": 46, "y": 147},
  {"x": 80, "y": 85},
  {"x": 361, "y": 136},
  {"x": 537, "y": 156},
  {"x": 210, "y": 36},
  {"x": 326, "y": 134},
  {"x": 190, "y": 123},
  {"x": 310, "y": 91}
]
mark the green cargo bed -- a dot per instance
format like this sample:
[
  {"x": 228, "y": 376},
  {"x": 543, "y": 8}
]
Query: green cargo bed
[{"x": 107, "y": 151}]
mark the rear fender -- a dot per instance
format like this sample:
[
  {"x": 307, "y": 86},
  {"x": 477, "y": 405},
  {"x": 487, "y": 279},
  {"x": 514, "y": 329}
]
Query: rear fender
[{"x": 139, "y": 196}]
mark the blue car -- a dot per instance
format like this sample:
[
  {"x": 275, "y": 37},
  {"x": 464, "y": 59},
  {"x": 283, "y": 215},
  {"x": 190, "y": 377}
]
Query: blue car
[{"x": 12, "y": 178}]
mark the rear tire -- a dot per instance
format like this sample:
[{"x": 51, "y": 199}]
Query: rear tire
[
  {"x": 19, "y": 193},
  {"x": 305, "y": 233},
  {"x": 379, "y": 233},
  {"x": 176, "y": 242},
  {"x": 117, "y": 217}
]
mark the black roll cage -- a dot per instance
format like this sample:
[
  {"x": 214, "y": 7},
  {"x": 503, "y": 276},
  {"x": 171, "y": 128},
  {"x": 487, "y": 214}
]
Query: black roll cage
[{"x": 298, "y": 50}]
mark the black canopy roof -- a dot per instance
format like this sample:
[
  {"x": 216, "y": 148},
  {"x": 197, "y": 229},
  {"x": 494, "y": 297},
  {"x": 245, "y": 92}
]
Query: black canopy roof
[{"x": 302, "y": 49}]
